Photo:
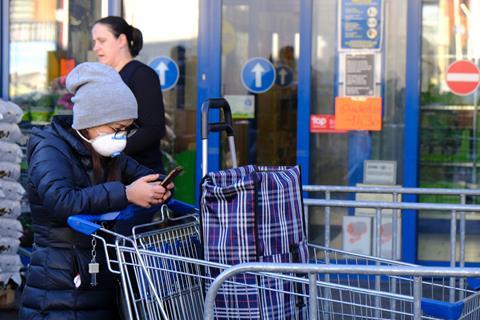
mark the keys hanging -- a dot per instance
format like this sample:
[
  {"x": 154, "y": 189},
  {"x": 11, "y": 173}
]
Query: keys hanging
[
  {"x": 93, "y": 269},
  {"x": 93, "y": 266}
]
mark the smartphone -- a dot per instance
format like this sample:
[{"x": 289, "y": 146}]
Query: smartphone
[{"x": 171, "y": 175}]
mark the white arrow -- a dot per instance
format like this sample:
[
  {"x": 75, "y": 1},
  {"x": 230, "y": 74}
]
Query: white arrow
[
  {"x": 258, "y": 70},
  {"x": 283, "y": 73},
  {"x": 162, "y": 69}
]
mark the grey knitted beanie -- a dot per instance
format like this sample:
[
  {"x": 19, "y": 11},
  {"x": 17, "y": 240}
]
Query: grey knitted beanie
[{"x": 100, "y": 96}]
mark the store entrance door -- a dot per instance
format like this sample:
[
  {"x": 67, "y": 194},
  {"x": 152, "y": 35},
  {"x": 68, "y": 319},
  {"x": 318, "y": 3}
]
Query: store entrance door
[
  {"x": 260, "y": 47},
  {"x": 449, "y": 127}
]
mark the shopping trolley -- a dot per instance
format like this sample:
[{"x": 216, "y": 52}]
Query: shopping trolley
[
  {"x": 312, "y": 270},
  {"x": 353, "y": 296},
  {"x": 163, "y": 276}
]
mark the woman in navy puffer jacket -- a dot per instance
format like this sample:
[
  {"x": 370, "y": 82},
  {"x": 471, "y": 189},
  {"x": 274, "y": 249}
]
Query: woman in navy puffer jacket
[{"x": 72, "y": 171}]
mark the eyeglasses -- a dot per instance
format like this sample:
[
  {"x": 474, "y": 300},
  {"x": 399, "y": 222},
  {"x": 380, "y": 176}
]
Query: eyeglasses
[{"x": 125, "y": 132}]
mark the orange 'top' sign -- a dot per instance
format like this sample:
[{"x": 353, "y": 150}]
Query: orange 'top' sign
[{"x": 358, "y": 113}]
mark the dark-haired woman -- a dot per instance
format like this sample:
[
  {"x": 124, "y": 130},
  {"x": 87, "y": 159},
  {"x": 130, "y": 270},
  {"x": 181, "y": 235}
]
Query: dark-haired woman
[{"x": 116, "y": 43}]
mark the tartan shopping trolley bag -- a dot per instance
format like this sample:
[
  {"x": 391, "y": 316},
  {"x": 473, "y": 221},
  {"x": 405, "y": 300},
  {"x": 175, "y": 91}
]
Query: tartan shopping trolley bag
[{"x": 251, "y": 213}]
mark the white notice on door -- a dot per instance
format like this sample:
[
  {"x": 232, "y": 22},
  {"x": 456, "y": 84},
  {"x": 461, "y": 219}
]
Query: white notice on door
[
  {"x": 357, "y": 234},
  {"x": 242, "y": 106},
  {"x": 380, "y": 172}
]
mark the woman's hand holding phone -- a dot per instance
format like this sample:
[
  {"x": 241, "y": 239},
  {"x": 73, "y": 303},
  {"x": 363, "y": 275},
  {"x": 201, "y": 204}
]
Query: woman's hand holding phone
[
  {"x": 171, "y": 175},
  {"x": 147, "y": 191}
]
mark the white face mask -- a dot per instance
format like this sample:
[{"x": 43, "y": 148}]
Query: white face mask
[{"x": 108, "y": 145}]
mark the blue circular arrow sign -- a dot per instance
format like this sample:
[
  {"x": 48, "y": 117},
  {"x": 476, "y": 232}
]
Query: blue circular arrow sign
[
  {"x": 167, "y": 71},
  {"x": 284, "y": 76},
  {"x": 258, "y": 75}
]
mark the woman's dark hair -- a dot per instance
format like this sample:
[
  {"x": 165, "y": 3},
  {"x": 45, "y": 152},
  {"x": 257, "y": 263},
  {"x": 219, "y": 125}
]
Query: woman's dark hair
[{"x": 119, "y": 26}]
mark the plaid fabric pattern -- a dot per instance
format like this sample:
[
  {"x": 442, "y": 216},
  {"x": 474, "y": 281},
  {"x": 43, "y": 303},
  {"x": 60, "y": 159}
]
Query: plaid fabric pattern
[{"x": 254, "y": 213}]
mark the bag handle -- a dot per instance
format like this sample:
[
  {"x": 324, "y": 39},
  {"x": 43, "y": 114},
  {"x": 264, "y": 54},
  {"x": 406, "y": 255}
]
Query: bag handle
[{"x": 225, "y": 125}]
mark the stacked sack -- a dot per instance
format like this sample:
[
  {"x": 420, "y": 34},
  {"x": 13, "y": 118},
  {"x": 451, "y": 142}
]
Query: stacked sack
[{"x": 11, "y": 193}]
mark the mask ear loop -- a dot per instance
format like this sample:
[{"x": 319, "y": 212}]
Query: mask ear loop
[{"x": 81, "y": 136}]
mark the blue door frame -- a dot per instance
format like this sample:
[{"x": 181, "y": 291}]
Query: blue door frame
[
  {"x": 412, "y": 121},
  {"x": 4, "y": 51},
  {"x": 208, "y": 78},
  {"x": 209, "y": 86},
  {"x": 304, "y": 89}
]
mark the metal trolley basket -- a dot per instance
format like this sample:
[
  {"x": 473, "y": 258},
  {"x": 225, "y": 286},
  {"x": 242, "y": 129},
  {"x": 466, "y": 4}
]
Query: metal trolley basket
[{"x": 163, "y": 276}]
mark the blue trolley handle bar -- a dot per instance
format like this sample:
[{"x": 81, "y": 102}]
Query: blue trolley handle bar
[
  {"x": 207, "y": 127},
  {"x": 85, "y": 223},
  {"x": 81, "y": 224}
]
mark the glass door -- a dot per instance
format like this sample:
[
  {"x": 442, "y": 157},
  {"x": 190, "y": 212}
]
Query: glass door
[
  {"x": 261, "y": 38},
  {"x": 449, "y": 127},
  {"x": 173, "y": 40},
  {"x": 337, "y": 156}
]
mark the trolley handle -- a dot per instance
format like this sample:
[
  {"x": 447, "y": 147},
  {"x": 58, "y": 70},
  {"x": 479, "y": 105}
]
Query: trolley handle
[
  {"x": 226, "y": 125},
  {"x": 81, "y": 224},
  {"x": 85, "y": 223}
]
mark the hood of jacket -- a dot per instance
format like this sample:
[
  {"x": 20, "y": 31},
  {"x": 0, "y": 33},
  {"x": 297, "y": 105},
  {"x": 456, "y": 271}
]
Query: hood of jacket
[{"x": 60, "y": 128}]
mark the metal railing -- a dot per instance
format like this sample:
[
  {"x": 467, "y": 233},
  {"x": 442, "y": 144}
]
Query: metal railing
[
  {"x": 397, "y": 206},
  {"x": 396, "y": 193}
]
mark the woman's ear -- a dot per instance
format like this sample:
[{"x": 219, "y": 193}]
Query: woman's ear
[
  {"x": 122, "y": 39},
  {"x": 88, "y": 133}
]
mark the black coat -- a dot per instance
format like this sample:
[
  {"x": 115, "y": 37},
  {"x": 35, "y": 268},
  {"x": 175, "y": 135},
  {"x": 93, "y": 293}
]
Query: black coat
[
  {"x": 60, "y": 185},
  {"x": 144, "y": 145}
]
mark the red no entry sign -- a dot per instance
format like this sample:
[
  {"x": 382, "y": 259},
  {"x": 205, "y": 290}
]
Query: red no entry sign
[{"x": 463, "y": 77}]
